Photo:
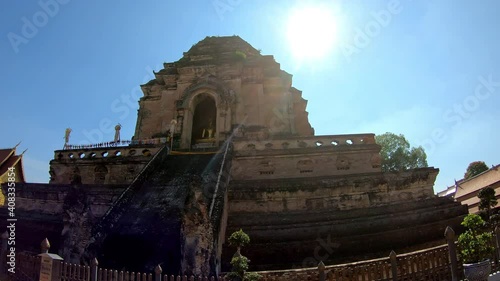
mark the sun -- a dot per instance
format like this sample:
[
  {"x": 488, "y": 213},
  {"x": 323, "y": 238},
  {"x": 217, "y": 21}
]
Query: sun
[{"x": 311, "y": 31}]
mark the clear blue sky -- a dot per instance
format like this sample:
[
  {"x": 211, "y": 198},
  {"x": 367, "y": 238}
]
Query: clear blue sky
[{"x": 409, "y": 67}]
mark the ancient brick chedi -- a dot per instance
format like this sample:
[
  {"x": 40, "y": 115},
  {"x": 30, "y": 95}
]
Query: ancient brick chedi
[
  {"x": 220, "y": 84},
  {"x": 223, "y": 142}
]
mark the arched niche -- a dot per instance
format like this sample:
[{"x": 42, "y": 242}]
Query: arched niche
[
  {"x": 204, "y": 125},
  {"x": 207, "y": 88},
  {"x": 201, "y": 109},
  {"x": 100, "y": 173}
]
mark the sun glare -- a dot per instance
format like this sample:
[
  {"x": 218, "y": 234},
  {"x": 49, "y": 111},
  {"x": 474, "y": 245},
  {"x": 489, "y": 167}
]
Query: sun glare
[{"x": 311, "y": 32}]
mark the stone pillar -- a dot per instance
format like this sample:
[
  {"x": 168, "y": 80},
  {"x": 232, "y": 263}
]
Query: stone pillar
[
  {"x": 158, "y": 271},
  {"x": 50, "y": 264},
  {"x": 321, "y": 271},
  {"x": 187, "y": 127},
  {"x": 394, "y": 265},
  {"x": 45, "y": 246},
  {"x": 93, "y": 269},
  {"x": 452, "y": 249}
]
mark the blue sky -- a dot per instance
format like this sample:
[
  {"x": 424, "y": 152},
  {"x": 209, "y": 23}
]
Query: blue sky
[{"x": 427, "y": 69}]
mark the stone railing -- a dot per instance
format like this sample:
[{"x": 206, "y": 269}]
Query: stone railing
[
  {"x": 305, "y": 142},
  {"x": 154, "y": 141},
  {"x": 105, "y": 152}
]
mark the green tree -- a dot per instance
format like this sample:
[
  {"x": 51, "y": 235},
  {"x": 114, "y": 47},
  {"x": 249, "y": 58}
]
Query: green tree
[
  {"x": 239, "y": 262},
  {"x": 397, "y": 155},
  {"x": 487, "y": 201},
  {"x": 475, "y": 242},
  {"x": 475, "y": 168},
  {"x": 239, "y": 239}
]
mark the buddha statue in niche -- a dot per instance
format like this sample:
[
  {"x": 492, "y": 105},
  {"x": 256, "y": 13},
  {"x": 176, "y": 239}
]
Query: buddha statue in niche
[{"x": 208, "y": 132}]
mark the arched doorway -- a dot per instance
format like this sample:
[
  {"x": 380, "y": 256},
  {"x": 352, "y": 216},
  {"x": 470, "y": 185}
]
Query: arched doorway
[{"x": 204, "y": 121}]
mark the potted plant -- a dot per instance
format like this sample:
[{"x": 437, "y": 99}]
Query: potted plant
[{"x": 476, "y": 248}]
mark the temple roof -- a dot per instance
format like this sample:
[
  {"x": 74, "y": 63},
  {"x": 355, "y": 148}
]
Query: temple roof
[
  {"x": 8, "y": 158},
  {"x": 5, "y": 154}
]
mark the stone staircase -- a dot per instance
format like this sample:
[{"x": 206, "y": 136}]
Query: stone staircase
[{"x": 146, "y": 225}]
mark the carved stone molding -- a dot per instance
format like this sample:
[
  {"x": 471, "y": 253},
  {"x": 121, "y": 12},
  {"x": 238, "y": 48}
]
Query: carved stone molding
[{"x": 226, "y": 95}]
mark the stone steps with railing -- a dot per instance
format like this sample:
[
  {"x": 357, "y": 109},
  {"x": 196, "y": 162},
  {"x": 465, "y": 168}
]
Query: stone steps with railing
[{"x": 149, "y": 216}]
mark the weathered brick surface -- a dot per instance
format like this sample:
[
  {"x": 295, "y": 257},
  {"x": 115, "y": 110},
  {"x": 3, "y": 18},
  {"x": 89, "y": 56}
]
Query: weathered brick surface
[
  {"x": 298, "y": 222},
  {"x": 248, "y": 89},
  {"x": 49, "y": 198},
  {"x": 111, "y": 165}
]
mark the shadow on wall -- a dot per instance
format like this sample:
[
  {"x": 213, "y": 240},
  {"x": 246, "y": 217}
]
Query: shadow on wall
[{"x": 131, "y": 252}]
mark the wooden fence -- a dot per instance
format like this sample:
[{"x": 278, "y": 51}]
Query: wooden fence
[
  {"x": 28, "y": 267},
  {"x": 437, "y": 263}
]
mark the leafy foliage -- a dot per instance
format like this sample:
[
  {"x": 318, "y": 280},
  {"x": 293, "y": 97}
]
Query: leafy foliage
[
  {"x": 475, "y": 243},
  {"x": 239, "y": 262},
  {"x": 239, "y": 239},
  {"x": 397, "y": 155},
  {"x": 494, "y": 220},
  {"x": 240, "y": 267},
  {"x": 487, "y": 200},
  {"x": 240, "y": 56},
  {"x": 475, "y": 168},
  {"x": 252, "y": 276}
]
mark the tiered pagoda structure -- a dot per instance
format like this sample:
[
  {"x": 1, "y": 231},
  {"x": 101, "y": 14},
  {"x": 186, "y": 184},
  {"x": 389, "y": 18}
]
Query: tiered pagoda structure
[{"x": 222, "y": 143}]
